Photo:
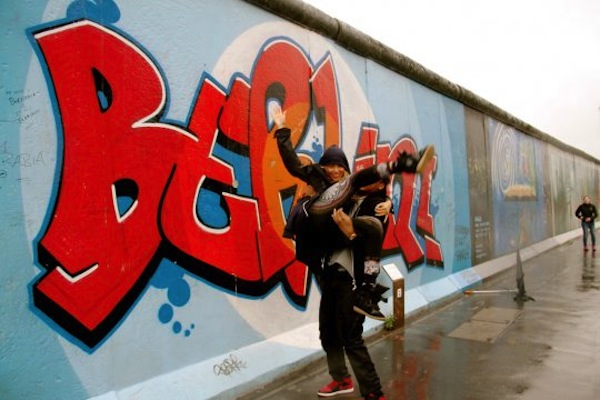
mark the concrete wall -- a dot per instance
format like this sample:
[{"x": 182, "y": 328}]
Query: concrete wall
[{"x": 143, "y": 198}]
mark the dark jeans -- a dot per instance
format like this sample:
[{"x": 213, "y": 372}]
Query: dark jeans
[
  {"x": 371, "y": 234},
  {"x": 341, "y": 331},
  {"x": 316, "y": 238},
  {"x": 588, "y": 226},
  {"x": 327, "y": 235}
]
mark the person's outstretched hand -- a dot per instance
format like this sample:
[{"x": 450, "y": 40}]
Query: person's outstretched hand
[{"x": 277, "y": 115}]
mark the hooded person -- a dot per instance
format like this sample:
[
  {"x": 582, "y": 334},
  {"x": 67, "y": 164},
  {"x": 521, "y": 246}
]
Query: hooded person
[
  {"x": 317, "y": 235},
  {"x": 334, "y": 155},
  {"x": 310, "y": 247},
  {"x": 328, "y": 252},
  {"x": 310, "y": 221},
  {"x": 325, "y": 220}
]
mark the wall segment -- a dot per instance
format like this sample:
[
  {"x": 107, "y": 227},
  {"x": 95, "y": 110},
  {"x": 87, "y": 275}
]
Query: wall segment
[{"x": 144, "y": 197}]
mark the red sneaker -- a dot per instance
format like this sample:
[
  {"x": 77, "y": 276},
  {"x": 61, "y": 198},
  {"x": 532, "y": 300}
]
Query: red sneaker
[{"x": 337, "y": 387}]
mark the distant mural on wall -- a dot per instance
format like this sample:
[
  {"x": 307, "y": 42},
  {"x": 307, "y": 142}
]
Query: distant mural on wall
[
  {"x": 480, "y": 192},
  {"x": 570, "y": 180},
  {"x": 135, "y": 189},
  {"x": 513, "y": 164},
  {"x": 517, "y": 188}
]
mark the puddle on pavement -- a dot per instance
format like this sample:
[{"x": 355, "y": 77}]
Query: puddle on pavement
[{"x": 487, "y": 325}]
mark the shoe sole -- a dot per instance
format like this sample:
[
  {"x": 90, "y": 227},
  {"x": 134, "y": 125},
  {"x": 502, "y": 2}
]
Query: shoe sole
[
  {"x": 427, "y": 155},
  {"x": 343, "y": 391},
  {"x": 366, "y": 314}
]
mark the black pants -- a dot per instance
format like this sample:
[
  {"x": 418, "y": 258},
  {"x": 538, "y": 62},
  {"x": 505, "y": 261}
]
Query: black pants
[
  {"x": 370, "y": 237},
  {"x": 341, "y": 331},
  {"x": 326, "y": 237},
  {"x": 339, "y": 195}
]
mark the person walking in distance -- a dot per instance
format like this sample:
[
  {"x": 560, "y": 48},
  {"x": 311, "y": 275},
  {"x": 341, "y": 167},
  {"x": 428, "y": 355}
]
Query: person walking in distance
[{"x": 587, "y": 213}]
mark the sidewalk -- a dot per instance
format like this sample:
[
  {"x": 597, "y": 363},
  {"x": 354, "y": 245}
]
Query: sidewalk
[{"x": 488, "y": 346}]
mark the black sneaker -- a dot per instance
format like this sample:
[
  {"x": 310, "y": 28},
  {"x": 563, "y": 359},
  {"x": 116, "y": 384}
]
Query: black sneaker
[
  {"x": 378, "y": 292},
  {"x": 409, "y": 163},
  {"x": 365, "y": 305}
]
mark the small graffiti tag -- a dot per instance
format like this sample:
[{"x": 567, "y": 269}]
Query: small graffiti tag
[
  {"x": 229, "y": 366},
  {"x": 19, "y": 97}
]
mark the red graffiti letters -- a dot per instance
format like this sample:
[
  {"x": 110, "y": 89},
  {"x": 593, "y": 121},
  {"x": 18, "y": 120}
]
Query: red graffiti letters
[{"x": 129, "y": 189}]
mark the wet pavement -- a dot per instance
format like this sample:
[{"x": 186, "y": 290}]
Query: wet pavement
[{"x": 489, "y": 346}]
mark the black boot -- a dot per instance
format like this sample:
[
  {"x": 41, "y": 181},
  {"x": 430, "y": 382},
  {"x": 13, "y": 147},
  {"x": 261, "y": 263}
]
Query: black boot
[
  {"x": 365, "y": 303},
  {"x": 378, "y": 292},
  {"x": 410, "y": 163}
]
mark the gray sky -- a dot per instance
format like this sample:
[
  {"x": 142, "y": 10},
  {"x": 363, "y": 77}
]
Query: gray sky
[{"x": 537, "y": 59}]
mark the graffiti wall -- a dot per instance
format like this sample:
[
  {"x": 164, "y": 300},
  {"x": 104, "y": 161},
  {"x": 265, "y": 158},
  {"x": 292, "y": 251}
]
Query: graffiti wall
[{"x": 144, "y": 197}]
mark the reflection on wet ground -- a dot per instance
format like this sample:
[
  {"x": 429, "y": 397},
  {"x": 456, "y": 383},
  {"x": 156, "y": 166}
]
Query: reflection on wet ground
[
  {"x": 588, "y": 273},
  {"x": 551, "y": 350}
]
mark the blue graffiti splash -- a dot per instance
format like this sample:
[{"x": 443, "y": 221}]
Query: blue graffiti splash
[
  {"x": 102, "y": 11},
  {"x": 177, "y": 327},
  {"x": 166, "y": 274},
  {"x": 179, "y": 293},
  {"x": 165, "y": 313},
  {"x": 169, "y": 276},
  {"x": 317, "y": 150}
]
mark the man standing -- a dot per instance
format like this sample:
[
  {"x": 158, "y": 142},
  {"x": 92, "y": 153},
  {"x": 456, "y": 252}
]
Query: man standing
[
  {"x": 340, "y": 327},
  {"x": 587, "y": 213}
]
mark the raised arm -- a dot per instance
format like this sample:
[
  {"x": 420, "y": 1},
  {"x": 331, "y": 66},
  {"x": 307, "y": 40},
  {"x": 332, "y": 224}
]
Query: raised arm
[{"x": 311, "y": 173}]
